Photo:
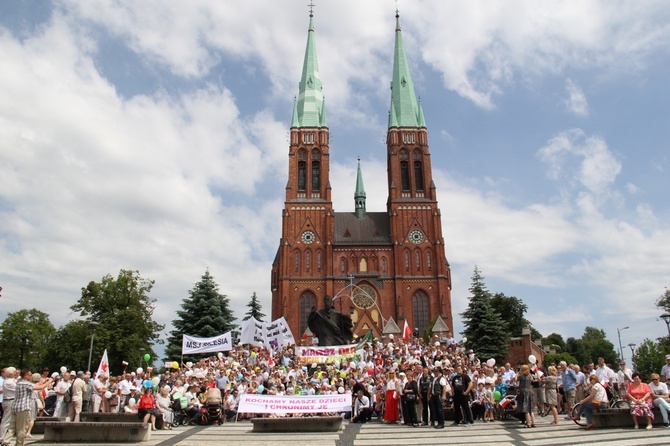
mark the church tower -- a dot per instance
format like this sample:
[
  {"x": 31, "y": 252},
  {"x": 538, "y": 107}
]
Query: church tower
[{"x": 383, "y": 268}]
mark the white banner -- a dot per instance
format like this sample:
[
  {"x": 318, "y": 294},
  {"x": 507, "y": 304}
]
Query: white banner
[
  {"x": 324, "y": 354},
  {"x": 258, "y": 333},
  {"x": 253, "y": 403},
  {"x": 219, "y": 343}
]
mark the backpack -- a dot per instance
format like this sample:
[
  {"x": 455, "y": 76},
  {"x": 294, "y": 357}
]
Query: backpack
[{"x": 68, "y": 394}]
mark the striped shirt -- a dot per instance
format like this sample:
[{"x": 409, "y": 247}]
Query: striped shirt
[{"x": 25, "y": 398}]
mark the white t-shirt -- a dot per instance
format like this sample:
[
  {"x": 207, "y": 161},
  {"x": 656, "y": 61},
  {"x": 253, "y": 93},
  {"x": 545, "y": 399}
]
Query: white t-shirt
[{"x": 658, "y": 389}]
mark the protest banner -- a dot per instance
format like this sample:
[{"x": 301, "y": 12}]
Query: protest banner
[
  {"x": 254, "y": 403},
  {"x": 219, "y": 343}
]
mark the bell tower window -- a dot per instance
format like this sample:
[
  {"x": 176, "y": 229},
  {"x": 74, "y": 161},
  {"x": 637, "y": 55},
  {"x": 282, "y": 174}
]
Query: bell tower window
[
  {"x": 404, "y": 170},
  {"x": 418, "y": 170}
]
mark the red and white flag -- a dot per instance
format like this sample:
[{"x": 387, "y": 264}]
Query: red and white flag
[
  {"x": 406, "y": 332},
  {"x": 103, "y": 368}
]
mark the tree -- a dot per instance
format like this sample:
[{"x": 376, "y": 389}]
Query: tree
[
  {"x": 124, "y": 312},
  {"x": 205, "y": 313},
  {"x": 663, "y": 301},
  {"x": 514, "y": 310},
  {"x": 70, "y": 347},
  {"x": 24, "y": 336},
  {"x": 649, "y": 358},
  {"x": 485, "y": 329},
  {"x": 557, "y": 358},
  {"x": 591, "y": 346},
  {"x": 556, "y": 341},
  {"x": 254, "y": 309}
]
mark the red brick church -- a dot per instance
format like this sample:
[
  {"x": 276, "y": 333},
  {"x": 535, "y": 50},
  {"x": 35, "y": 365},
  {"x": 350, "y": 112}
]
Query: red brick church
[{"x": 381, "y": 267}]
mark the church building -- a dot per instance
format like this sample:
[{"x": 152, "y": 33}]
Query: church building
[{"x": 382, "y": 268}]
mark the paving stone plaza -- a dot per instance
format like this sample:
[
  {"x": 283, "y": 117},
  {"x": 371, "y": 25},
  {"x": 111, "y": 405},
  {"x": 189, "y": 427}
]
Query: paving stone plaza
[{"x": 499, "y": 433}]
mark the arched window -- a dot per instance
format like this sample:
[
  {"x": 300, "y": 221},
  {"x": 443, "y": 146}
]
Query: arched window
[
  {"x": 363, "y": 265},
  {"x": 307, "y": 301},
  {"x": 421, "y": 311},
  {"x": 302, "y": 170},
  {"x": 406, "y": 260},
  {"x": 308, "y": 260},
  {"x": 297, "y": 261},
  {"x": 418, "y": 170},
  {"x": 383, "y": 265},
  {"x": 318, "y": 260},
  {"x": 428, "y": 260},
  {"x": 404, "y": 170},
  {"x": 316, "y": 176},
  {"x": 343, "y": 266},
  {"x": 417, "y": 256}
]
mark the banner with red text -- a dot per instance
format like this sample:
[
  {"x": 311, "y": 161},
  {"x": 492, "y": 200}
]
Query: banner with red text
[
  {"x": 254, "y": 403},
  {"x": 324, "y": 354}
]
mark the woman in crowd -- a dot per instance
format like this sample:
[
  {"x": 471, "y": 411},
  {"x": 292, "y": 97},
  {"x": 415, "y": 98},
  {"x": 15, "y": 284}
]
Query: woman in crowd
[
  {"x": 639, "y": 396},
  {"x": 164, "y": 404},
  {"x": 596, "y": 399},
  {"x": 146, "y": 408},
  {"x": 526, "y": 396},
  {"x": 550, "y": 389},
  {"x": 411, "y": 395},
  {"x": 392, "y": 392}
]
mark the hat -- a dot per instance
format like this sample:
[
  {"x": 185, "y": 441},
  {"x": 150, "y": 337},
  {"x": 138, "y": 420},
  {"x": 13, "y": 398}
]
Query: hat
[
  {"x": 667, "y": 356},
  {"x": 72, "y": 373}
]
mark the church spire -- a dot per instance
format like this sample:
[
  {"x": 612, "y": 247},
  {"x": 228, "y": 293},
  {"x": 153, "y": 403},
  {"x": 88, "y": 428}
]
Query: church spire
[
  {"x": 310, "y": 110},
  {"x": 405, "y": 110},
  {"x": 359, "y": 194}
]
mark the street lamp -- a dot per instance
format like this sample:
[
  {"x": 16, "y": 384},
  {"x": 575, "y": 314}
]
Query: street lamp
[
  {"x": 90, "y": 350},
  {"x": 632, "y": 351},
  {"x": 142, "y": 349},
  {"x": 618, "y": 332},
  {"x": 666, "y": 318}
]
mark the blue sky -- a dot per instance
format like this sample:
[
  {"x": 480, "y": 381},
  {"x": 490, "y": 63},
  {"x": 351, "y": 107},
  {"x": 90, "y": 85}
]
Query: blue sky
[{"x": 152, "y": 135}]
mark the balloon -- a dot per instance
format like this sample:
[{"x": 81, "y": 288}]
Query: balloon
[
  {"x": 340, "y": 389},
  {"x": 147, "y": 357},
  {"x": 156, "y": 380},
  {"x": 260, "y": 388},
  {"x": 108, "y": 394},
  {"x": 497, "y": 395},
  {"x": 219, "y": 355},
  {"x": 189, "y": 364},
  {"x": 371, "y": 371},
  {"x": 391, "y": 336},
  {"x": 175, "y": 365},
  {"x": 240, "y": 376},
  {"x": 140, "y": 370},
  {"x": 464, "y": 340},
  {"x": 63, "y": 369},
  {"x": 343, "y": 374},
  {"x": 532, "y": 359},
  {"x": 131, "y": 402},
  {"x": 491, "y": 362},
  {"x": 148, "y": 383}
]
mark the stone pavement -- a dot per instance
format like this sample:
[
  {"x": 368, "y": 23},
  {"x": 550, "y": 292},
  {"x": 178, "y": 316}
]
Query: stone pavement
[{"x": 499, "y": 433}]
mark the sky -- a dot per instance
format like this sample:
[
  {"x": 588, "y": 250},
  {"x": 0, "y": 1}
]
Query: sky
[{"x": 151, "y": 135}]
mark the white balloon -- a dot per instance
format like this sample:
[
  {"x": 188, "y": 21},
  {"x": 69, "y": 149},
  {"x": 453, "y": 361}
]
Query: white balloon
[
  {"x": 108, "y": 394},
  {"x": 131, "y": 402},
  {"x": 532, "y": 359},
  {"x": 156, "y": 380},
  {"x": 464, "y": 340},
  {"x": 220, "y": 355},
  {"x": 63, "y": 369},
  {"x": 140, "y": 370},
  {"x": 391, "y": 336},
  {"x": 491, "y": 362}
]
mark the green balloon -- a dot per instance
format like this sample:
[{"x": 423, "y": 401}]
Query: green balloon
[
  {"x": 497, "y": 395},
  {"x": 147, "y": 357}
]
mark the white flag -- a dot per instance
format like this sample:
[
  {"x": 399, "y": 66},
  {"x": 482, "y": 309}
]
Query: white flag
[{"x": 103, "y": 368}]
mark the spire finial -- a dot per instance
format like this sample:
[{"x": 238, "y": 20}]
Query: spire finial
[
  {"x": 397, "y": 16},
  {"x": 311, "y": 8}
]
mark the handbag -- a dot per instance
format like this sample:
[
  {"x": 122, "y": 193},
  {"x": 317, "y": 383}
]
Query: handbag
[{"x": 410, "y": 397}]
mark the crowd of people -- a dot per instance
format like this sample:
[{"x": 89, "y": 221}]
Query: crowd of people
[{"x": 394, "y": 381}]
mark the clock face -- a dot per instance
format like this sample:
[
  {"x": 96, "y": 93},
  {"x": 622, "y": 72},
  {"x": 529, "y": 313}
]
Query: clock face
[
  {"x": 364, "y": 296},
  {"x": 308, "y": 237},
  {"x": 416, "y": 236}
]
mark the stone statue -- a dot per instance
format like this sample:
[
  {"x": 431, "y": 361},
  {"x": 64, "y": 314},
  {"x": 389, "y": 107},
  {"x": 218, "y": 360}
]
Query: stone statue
[{"x": 330, "y": 326}]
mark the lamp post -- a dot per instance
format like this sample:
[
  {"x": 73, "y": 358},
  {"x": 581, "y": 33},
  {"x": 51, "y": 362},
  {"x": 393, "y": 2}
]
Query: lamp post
[
  {"x": 618, "y": 332},
  {"x": 142, "y": 349},
  {"x": 666, "y": 318},
  {"x": 90, "y": 350},
  {"x": 632, "y": 352}
]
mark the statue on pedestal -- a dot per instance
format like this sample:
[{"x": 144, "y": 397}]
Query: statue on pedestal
[{"x": 330, "y": 326}]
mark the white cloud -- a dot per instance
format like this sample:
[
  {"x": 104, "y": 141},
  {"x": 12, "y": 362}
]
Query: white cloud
[{"x": 576, "y": 102}]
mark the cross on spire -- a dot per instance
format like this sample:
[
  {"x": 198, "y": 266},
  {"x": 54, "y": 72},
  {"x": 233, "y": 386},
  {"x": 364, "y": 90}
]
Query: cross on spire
[{"x": 311, "y": 8}]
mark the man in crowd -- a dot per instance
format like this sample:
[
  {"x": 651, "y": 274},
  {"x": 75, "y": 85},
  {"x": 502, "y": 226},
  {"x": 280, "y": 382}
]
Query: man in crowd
[
  {"x": 438, "y": 394},
  {"x": 569, "y": 381},
  {"x": 461, "y": 386},
  {"x": 362, "y": 408},
  {"x": 78, "y": 388},
  {"x": 24, "y": 401},
  {"x": 97, "y": 391},
  {"x": 8, "y": 392}
]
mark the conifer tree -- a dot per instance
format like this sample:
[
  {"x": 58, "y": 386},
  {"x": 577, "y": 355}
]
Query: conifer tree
[
  {"x": 485, "y": 329},
  {"x": 254, "y": 309},
  {"x": 205, "y": 314}
]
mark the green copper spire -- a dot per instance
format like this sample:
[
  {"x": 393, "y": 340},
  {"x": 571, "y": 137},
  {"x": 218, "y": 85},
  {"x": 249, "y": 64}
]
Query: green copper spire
[
  {"x": 404, "y": 107},
  {"x": 359, "y": 194},
  {"x": 310, "y": 110}
]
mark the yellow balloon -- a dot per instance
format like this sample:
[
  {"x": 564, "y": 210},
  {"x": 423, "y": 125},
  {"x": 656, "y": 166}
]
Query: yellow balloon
[
  {"x": 175, "y": 365},
  {"x": 343, "y": 374}
]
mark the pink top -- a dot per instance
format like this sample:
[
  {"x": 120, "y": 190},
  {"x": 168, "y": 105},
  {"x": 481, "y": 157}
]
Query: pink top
[{"x": 638, "y": 392}]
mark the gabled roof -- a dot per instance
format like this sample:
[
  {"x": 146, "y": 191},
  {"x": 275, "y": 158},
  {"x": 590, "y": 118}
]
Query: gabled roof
[{"x": 373, "y": 229}]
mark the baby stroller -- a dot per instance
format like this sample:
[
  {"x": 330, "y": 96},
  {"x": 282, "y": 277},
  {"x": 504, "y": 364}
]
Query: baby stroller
[
  {"x": 179, "y": 405},
  {"x": 210, "y": 414}
]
